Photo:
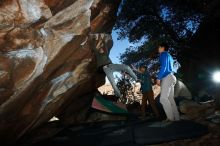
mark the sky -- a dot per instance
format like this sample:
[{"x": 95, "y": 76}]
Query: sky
[{"x": 118, "y": 48}]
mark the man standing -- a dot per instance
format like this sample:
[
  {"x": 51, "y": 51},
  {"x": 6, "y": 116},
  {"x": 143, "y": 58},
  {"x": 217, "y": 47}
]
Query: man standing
[
  {"x": 167, "y": 80},
  {"x": 147, "y": 91}
]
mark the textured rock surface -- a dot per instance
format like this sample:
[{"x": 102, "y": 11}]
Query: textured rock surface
[
  {"x": 47, "y": 66},
  {"x": 198, "y": 113},
  {"x": 180, "y": 90}
]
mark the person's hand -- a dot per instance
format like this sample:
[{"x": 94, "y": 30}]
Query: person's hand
[
  {"x": 101, "y": 50},
  {"x": 132, "y": 66},
  {"x": 158, "y": 82}
]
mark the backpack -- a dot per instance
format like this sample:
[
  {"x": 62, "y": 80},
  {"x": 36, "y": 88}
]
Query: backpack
[{"x": 176, "y": 66}]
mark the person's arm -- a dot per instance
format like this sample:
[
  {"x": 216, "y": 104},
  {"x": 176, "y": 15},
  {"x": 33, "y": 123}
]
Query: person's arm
[
  {"x": 135, "y": 69},
  {"x": 163, "y": 63}
]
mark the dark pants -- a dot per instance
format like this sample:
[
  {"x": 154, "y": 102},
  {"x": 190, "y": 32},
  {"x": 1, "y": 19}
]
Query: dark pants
[{"x": 149, "y": 96}]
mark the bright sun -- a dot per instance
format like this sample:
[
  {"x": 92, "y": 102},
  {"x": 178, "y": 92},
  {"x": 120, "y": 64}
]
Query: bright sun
[{"x": 216, "y": 77}]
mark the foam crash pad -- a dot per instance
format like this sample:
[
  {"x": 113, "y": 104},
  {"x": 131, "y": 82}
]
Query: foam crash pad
[
  {"x": 160, "y": 132},
  {"x": 99, "y": 103},
  {"x": 133, "y": 133}
]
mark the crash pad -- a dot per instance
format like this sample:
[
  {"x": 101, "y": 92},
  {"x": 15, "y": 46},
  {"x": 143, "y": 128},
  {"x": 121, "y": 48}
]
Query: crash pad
[
  {"x": 159, "y": 132},
  {"x": 99, "y": 103},
  {"x": 134, "y": 133}
]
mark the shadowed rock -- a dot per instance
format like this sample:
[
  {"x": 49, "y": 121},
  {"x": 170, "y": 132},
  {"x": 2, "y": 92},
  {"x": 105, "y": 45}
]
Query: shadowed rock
[{"x": 47, "y": 65}]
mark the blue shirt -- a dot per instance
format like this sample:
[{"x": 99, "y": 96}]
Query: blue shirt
[
  {"x": 146, "y": 84},
  {"x": 166, "y": 65}
]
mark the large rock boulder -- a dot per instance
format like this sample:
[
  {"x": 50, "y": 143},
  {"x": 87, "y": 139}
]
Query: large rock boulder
[
  {"x": 180, "y": 90},
  {"x": 47, "y": 65}
]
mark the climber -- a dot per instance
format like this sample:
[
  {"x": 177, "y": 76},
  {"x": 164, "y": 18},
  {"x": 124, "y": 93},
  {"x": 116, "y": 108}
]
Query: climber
[
  {"x": 146, "y": 89},
  {"x": 104, "y": 63},
  {"x": 167, "y": 80}
]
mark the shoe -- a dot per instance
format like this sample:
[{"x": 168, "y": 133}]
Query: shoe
[
  {"x": 166, "y": 120},
  {"x": 210, "y": 117},
  {"x": 206, "y": 99},
  {"x": 217, "y": 113},
  {"x": 214, "y": 118},
  {"x": 165, "y": 123},
  {"x": 142, "y": 118}
]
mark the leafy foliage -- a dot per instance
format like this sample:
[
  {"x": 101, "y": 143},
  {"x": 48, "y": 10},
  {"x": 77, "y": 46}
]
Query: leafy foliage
[
  {"x": 155, "y": 21},
  {"x": 126, "y": 89}
]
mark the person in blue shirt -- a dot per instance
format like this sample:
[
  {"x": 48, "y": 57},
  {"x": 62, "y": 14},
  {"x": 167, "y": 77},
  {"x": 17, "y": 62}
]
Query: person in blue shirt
[
  {"x": 167, "y": 81},
  {"x": 146, "y": 89}
]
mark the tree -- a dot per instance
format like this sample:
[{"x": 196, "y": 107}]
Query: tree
[
  {"x": 153, "y": 21},
  {"x": 126, "y": 89}
]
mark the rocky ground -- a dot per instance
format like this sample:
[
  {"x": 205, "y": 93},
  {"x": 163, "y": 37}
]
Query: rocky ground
[
  {"x": 190, "y": 111},
  {"x": 198, "y": 112}
]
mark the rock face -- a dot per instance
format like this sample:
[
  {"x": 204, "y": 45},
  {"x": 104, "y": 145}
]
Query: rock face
[
  {"x": 47, "y": 65},
  {"x": 180, "y": 90},
  {"x": 198, "y": 113}
]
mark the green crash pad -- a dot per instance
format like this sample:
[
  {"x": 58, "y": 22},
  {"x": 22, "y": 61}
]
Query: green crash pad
[{"x": 108, "y": 106}]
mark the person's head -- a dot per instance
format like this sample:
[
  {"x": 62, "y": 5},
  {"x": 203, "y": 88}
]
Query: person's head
[
  {"x": 163, "y": 47},
  {"x": 101, "y": 47},
  {"x": 102, "y": 50},
  {"x": 142, "y": 69}
]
